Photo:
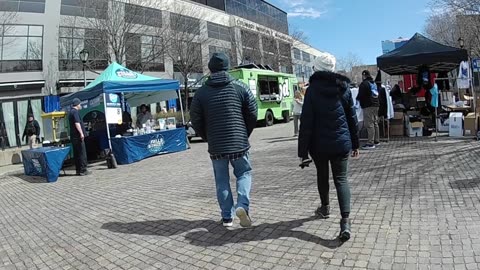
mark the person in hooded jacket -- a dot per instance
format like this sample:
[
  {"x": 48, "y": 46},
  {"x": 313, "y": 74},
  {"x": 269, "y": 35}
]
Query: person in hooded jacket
[
  {"x": 224, "y": 114},
  {"x": 329, "y": 133},
  {"x": 368, "y": 98},
  {"x": 31, "y": 131}
]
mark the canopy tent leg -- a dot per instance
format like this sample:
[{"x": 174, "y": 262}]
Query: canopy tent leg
[
  {"x": 181, "y": 107},
  {"x": 436, "y": 124},
  {"x": 108, "y": 128}
]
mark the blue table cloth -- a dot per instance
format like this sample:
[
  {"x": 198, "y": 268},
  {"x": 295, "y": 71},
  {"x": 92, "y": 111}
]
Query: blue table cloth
[
  {"x": 131, "y": 149},
  {"x": 46, "y": 162}
]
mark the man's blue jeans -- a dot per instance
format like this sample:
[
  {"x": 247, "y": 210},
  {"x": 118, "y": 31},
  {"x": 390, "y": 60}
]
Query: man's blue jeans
[{"x": 242, "y": 171}]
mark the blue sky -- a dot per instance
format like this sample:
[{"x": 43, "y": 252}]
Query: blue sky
[{"x": 356, "y": 26}]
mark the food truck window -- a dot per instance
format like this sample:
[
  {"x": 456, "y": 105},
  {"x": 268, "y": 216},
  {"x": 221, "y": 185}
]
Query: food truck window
[{"x": 268, "y": 86}]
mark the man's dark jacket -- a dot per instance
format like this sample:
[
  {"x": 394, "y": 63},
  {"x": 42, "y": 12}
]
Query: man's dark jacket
[
  {"x": 29, "y": 127},
  {"x": 328, "y": 126},
  {"x": 365, "y": 95},
  {"x": 224, "y": 113}
]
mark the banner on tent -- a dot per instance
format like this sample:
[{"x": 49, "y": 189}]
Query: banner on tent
[
  {"x": 132, "y": 149},
  {"x": 113, "y": 108}
]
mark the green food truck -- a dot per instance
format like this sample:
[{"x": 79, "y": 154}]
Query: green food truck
[{"x": 274, "y": 91}]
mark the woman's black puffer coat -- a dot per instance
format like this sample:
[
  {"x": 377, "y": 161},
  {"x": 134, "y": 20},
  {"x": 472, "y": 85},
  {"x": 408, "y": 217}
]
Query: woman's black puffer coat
[{"x": 328, "y": 126}]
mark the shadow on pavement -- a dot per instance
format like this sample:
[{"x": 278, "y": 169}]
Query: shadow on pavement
[
  {"x": 31, "y": 179},
  {"x": 214, "y": 234}
]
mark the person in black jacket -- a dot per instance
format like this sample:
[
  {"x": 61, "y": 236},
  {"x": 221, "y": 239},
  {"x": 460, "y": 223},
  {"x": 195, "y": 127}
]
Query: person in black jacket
[
  {"x": 368, "y": 98},
  {"x": 224, "y": 114},
  {"x": 329, "y": 133},
  {"x": 31, "y": 131},
  {"x": 382, "y": 97}
]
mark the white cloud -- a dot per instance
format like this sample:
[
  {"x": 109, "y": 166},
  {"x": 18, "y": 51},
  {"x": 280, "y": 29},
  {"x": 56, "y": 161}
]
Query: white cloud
[
  {"x": 306, "y": 9},
  {"x": 295, "y": 3},
  {"x": 305, "y": 12}
]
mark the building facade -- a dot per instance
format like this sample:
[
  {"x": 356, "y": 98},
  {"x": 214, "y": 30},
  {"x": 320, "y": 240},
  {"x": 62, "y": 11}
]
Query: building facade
[
  {"x": 390, "y": 45},
  {"x": 40, "y": 45}
]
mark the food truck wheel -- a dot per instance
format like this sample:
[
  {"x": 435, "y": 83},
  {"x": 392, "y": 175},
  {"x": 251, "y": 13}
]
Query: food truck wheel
[{"x": 269, "y": 119}]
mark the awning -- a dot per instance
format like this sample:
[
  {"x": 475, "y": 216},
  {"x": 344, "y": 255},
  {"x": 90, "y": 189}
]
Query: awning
[{"x": 421, "y": 51}]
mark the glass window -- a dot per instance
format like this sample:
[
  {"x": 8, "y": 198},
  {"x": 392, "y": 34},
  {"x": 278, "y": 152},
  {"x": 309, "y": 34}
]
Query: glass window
[
  {"x": 145, "y": 53},
  {"x": 84, "y": 8},
  {"x": 35, "y": 31},
  {"x": 35, "y": 48},
  {"x": 297, "y": 54},
  {"x": 32, "y": 6},
  {"x": 142, "y": 15},
  {"x": 73, "y": 41},
  {"x": 306, "y": 57},
  {"x": 260, "y": 12},
  {"x": 185, "y": 24},
  {"x": 218, "y": 31},
  {"x": 14, "y": 48},
  {"x": 16, "y": 30},
  {"x": 21, "y": 49}
]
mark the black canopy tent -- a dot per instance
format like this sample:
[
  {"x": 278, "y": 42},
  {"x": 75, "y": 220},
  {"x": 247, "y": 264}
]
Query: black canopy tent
[{"x": 421, "y": 51}]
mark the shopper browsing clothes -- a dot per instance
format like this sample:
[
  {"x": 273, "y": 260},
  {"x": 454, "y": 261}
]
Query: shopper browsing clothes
[
  {"x": 297, "y": 111},
  {"x": 31, "y": 131},
  {"x": 224, "y": 113},
  {"x": 77, "y": 137},
  {"x": 368, "y": 98},
  {"x": 328, "y": 132}
]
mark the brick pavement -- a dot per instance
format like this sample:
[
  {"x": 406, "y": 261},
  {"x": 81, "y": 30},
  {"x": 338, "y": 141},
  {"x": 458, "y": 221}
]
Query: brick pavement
[{"x": 415, "y": 206}]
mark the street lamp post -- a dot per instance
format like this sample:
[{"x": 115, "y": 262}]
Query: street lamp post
[{"x": 84, "y": 58}]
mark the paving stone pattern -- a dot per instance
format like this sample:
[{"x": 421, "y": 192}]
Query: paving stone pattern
[{"x": 415, "y": 205}]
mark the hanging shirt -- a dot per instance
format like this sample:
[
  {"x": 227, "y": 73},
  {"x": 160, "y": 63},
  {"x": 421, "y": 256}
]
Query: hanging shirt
[
  {"x": 464, "y": 75},
  {"x": 434, "y": 92}
]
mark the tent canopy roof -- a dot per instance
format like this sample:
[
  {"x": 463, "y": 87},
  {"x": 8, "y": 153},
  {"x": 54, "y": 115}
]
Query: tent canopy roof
[
  {"x": 421, "y": 51},
  {"x": 118, "y": 79}
]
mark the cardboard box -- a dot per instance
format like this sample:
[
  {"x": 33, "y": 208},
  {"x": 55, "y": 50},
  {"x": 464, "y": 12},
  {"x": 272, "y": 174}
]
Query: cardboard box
[
  {"x": 413, "y": 113},
  {"x": 443, "y": 126},
  {"x": 417, "y": 125},
  {"x": 398, "y": 116},
  {"x": 415, "y": 132},
  {"x": 470, "y": 125},
  {"x": 414, "y": 129},
  {"x": 397, "y": 130},
  {"x": 456, "y": 124}
]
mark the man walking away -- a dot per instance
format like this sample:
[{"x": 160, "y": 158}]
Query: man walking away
[
  {"x": 31, "y": 131},
  {"x": 368, "y": 98},
  {"x": 77, "y": 137},
  {"x": 329, "y": 132},
  {"x": 224, "y": 114}
]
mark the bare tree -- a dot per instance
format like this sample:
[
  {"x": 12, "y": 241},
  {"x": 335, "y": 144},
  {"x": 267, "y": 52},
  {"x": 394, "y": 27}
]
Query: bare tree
[
  {"x": 7, "y": 19},
  {"x": 347, "y": 63},
  {"x": 116, "y": 30},
  {"x": 458, "y": 19},
  {"x": 183, "y": 43}
]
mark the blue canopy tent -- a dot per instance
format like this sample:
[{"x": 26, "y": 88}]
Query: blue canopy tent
[{"x": 136, "y": 88}]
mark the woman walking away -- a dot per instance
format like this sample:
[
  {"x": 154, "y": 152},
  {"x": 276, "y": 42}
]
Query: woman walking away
[
  {"x": 328, "y": 132},
  {"x": 297, "y": 111}
]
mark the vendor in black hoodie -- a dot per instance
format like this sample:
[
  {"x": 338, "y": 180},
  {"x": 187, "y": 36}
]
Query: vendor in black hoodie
[
  {"x": 328, "y": 132},
  {"x": 368, "y": 98}
]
